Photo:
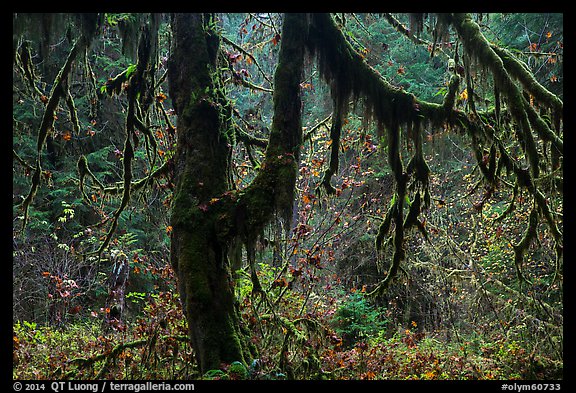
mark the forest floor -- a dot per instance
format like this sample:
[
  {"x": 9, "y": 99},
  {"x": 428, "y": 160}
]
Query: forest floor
[{"x": 155, "y": 346}]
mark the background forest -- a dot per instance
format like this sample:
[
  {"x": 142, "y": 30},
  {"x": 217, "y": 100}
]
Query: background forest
[{"x": 94, "y": 293}]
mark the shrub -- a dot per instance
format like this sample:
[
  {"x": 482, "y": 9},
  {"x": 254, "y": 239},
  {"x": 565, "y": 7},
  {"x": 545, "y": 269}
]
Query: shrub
[{"x": 356, "y": 319}]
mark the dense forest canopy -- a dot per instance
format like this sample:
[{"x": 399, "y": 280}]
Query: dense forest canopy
[{"x": 300, "y": 196}]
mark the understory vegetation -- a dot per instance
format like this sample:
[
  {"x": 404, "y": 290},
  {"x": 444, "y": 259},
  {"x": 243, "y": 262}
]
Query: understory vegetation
[{"x": 477, "y": 296}]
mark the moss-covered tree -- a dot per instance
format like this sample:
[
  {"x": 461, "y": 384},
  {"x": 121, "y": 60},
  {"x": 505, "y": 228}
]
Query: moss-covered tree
[
  {"x": 208, "y": 215},
  {"x": 199, "y": 256}
]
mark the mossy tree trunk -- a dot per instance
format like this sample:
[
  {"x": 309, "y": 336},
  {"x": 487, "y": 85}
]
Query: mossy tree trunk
[
  {"x": 208, "y": 216},
  {"x": 202, "y": 163}
]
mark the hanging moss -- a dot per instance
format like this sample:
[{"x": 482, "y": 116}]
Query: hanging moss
[
  {"x": 335, "y": 130},
  {"x": 351, "y": 77},
  {"x": 392, "y": 109},
  {"x": 477, "y": 45},
  {"x": 417, "y": 166},
  {"x": 522, "y": 73},
  {"x": 543, "y": 129},
  {"x": 58, "y": 92},
  {"x": 417, "y": 22}
]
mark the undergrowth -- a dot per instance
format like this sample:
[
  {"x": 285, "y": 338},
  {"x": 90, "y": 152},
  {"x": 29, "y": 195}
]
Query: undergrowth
[{"x": 155, "y": 346}]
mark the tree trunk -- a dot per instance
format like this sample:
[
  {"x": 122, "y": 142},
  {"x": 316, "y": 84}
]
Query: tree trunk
[{"x": 198, "y": 255}]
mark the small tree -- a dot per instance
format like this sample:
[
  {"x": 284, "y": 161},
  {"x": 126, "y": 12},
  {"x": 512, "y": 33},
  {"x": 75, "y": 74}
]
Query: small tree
[{"x": 356, "y": 319}]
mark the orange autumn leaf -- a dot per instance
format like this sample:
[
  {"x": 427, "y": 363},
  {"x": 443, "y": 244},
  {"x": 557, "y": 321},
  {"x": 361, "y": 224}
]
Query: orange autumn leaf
[{"x": 369, "y": 375}]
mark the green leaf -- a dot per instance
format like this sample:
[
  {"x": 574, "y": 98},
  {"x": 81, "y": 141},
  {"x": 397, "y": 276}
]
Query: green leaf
[{"x": 130, "y": 70}]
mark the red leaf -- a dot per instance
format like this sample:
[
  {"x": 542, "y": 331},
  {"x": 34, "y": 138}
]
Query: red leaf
[{"x": 75, "y": 309}]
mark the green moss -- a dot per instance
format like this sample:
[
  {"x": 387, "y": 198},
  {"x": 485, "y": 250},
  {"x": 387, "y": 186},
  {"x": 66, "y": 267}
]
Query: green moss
[
  {"x": 450, "y": 97},
  {"x": 477, "y": 46},
  {"x": 521, "y": 72}
]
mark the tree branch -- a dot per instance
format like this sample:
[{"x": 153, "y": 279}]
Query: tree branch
[{"x": 58, "y": 91}]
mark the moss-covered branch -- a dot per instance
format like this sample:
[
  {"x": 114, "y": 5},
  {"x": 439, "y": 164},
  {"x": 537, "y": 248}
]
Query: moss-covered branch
[
  {"x": 26, "y": 66},
  {"x": 393, "y": 109},
  {"x": 476, "y": 45},
  {"x": 108, "y": 356},
  {"x": 521, "y": 247},
  {"x": 139, "y": 184},
  {"x": 83, "y": 171},
  {"x": 251, "y": 56},
  {"x": 272, "y": 191},
  {"x": 245, "y": 137},
  {"x": 136, "y": 91},
  {"x": 58, "y": 92},
  {"x": 520, "y": 71},
  {"x": 403, "y": 30},
  {"x": 335, "y": 131},
  {"x": 504, "y": 67}
]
